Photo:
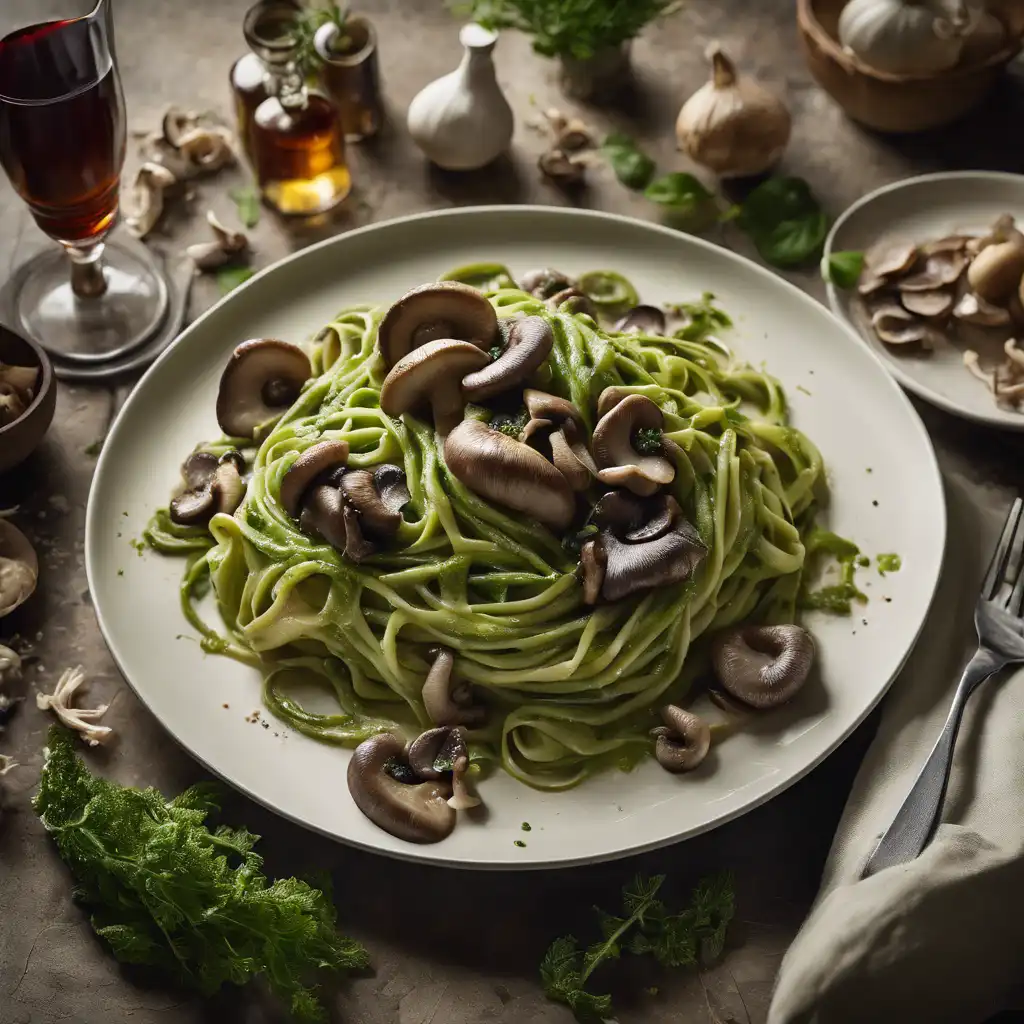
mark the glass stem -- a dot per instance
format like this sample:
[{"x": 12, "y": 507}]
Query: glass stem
[{"x": 87, "y": 278}]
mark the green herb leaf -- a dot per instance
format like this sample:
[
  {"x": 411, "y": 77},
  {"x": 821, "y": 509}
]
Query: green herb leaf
[
  {"x": 247, "y": 204},
  {"x": 310, "y": 21},
  {"x": 229, "y": 278},
  {"x": 785, "y": 222},
  {"x": 687, "y": 204},
  {"x": 703, "y": 317},
  {"x": 648, "y": 441},
  {"x": 511, "y": 423},
  {"x": 631, "y": 165},
  {"x": 165, "y": 891},
  {"x": 843, "y": 268}
]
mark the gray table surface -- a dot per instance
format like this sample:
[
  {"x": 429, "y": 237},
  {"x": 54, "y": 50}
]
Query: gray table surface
[{"x": 448, "y": 947}]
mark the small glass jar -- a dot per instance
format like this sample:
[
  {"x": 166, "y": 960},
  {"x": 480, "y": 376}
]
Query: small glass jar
[
  {"x": 249, "y": 89},
  {"x": 351, "y": 76}
]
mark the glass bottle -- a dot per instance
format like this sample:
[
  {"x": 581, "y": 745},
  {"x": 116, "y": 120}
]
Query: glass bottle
[
  {"x": 249, "y": 89},
  {"x": 295, "y": 137},
  {"x": 350, "y": 75}
]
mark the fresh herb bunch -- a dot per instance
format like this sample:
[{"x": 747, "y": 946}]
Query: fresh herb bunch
[
  {"x": 166, "y": 892},
  {"x": 646, "y": 927},
  {"x": 310, "y": 21},
  {"x": 568, "y": 28}
]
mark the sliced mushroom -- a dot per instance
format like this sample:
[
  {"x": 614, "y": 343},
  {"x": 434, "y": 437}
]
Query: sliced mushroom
[
  {"x": 634, "y": 519},
  {"x": 206, "y": 149},
  {"x": 315, "y": 460},
  {"x": 176, "y": 123},
  {"x": 995, "y": 273},
  {"x": 213, "y": 486},
  {"x": 505, "y": 471},
  {"x": 973, "y": 309},
  {"x": 931, "y": 305},
  {"x": 12, "y": 404},
  {"x": 896, "y": 326},
  {"x": 671, "y": 558},
  {"x": 577, "y": 474},
  {"x": 763, "y": 666},
  {"x": 447, "y": 310},
  {"x": 951, "y": 243},
  {"x": 357, "y": 546},
  {"x": 529, "y": 343},
  {"x": 551, "y": 407},
  {"x": 23, "y": 379},
  {"x": 591, "y": 570},
  {"x": 683, "y": 741},
  {"x": 432, "y": 754},
  {"x": 618, "y": 461},
  {"x": 445, "y": 704},
  {"x": 871, "y": 284},
  {"x": 940, "y": 269},
  {"x": 462, "y": 798},
  {"x": 226, "y": 246},
  {"x": 544, "y": 283},
  {"x": 643, "y": 320},
  {"x": 323, "y": 516},
  {"x": 561, "y": 167},
  {"x": 658, "y": 522},
  {"x": 145, "y": 200},
  {"x": 431, "y": 375},
  {"x": 575, "y": 301},
  {"x": 262, "y": 379},
  {"x": 890, "y": 257},
  {"x": 379, "y": 516},
  {"x": 19, "y": 568},
  {"x": 570, "y": 453},
  {"x": 415, "y": 813},
  {"x": 609, "y": 398}
]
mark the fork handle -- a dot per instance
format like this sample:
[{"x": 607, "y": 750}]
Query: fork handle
[{"x": 916, "y": 820}]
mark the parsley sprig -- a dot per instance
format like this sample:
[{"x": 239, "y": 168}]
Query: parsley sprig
[{"x": 646, "y": 927}]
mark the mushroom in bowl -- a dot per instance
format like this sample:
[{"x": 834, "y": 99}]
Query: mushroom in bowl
[{"x": 28, "y": 397}]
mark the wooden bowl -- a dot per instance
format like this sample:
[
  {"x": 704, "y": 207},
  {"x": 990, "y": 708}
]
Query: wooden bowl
[
  {"x": 19, "y": 439},
  {"x": 901, "y": 103}
]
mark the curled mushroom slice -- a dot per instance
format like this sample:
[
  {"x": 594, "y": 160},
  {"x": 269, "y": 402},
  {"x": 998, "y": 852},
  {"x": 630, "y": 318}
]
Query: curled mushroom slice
[
  {"x": 671, "y": 558},
  {"x": 315, "y": 460},
  {"x": 574, "y": 301},
  {"x": 542, "y": 405},
  {"x": 227, "y": 245},
  {"x": 529, "y": 343},
  {"x": 929, "y": 304},
  {"x": 509, "y": 473},
  {"x": 444, "y": 703},
  {"x": 262, "y": 379},
  {"x": 380, "y": 512},
  {"x": 870, "y": 284},
  {"x": 895, "y": 326},
  {"x": 176, "y": 123},
  {"x": 207, "y": 149},
  {"x": 890, "y": 256},
  {"x": 323, "y": 516},
  {"x": 643, "y": 320},
  {"x": 433, "y": 754},
  {"x": 416, "y": 813},
  {"x": 609, "y": 398},
  {"x": 569, "y": 451},
  {"x": 620, "y": 464},
  {"x": 683, "y": 741},
  {"x": 763, "y": 666},
  {"x": 577, "y": 474},
  {"x": 591, "y": 570},
  {"x": 448, "y": 309},
  {"x": 431, "y": 376},
  {"x": 544, "y": 283},
  {"x": 19, "y": 568},
  {"x": 973, "y": 309},
  {"x": 145, "y": 199},
  {"x": 951, "y": 243},
  {"x": 212, "y": 485}
]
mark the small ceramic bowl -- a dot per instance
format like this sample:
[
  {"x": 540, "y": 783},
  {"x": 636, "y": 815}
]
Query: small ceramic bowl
[{"x": 19, "y": 439}]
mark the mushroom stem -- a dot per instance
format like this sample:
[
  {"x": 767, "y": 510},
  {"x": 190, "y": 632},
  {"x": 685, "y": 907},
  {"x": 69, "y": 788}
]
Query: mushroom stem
[
  {"x": 443, "y": 704},
  {"x": 463, "y": 798},
  {"x": 683, "y": 741}
]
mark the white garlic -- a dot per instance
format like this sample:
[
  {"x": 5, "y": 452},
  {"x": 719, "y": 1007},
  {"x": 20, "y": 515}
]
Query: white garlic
[
  {"x": 906, "y": 37},
  {"x": 732, "y": 124}
]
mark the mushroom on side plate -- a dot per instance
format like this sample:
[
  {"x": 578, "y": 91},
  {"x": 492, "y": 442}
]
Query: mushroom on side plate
[{"x": 19, "y": 568}]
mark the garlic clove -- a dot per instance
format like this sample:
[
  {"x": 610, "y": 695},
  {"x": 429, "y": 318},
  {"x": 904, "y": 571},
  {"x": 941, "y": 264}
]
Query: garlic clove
[
  {"x": 732, "y": 124},
  {"x": 146, "y": 198}
]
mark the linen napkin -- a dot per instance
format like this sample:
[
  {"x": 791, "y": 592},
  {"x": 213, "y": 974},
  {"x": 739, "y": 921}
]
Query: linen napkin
[{"x": 940, "y": 939}]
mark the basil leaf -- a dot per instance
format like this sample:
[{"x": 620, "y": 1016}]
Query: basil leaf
[
  {"x": 231, "y": 277},
  {"x": 247, "y": 202},
  {"x": 785, "y": 221},
  {"x": 843, "y": 268},
  {"x": 632, "y": 166},
  {"x": 685, "y": 201}
]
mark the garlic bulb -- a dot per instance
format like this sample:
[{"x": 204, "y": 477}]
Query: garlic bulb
[
  {"x": 906, "y": 37},
  {"x": 732, "y": 124}
]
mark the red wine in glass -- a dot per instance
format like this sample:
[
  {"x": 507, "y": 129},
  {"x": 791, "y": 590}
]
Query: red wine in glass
[{"x": 62, "y": 127}]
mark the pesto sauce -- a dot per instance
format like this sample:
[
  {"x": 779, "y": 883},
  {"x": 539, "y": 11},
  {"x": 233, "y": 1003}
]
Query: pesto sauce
[
  {"x": 836, "y": 600},
  {"x": 889, "y": 563}
]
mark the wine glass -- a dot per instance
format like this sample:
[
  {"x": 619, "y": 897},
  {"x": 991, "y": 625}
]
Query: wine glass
[{"x": 62, "y": 144}]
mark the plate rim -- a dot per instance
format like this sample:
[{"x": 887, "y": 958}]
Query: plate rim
[
  {"x": 523, "y": 211},
  {"x": 908, "y": 380}
]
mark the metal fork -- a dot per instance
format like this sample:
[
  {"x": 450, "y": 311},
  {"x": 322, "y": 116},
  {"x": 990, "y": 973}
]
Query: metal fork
[{"x": 1000, "y": 625}]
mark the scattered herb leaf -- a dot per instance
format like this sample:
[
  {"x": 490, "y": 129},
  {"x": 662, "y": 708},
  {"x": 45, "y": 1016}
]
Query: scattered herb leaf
[
  {"x": 165, "y": 891},
  {"x": 633, "y": 167},
  {"x": 247, "y": 203},
  {"x": 703, "y": 318},
  {"x": 647, "y": 441},
  {"x": 495, "y": 351},
  {"x": 843, "y": 268},
  {"x": 889, "y": 563},
  {"x": 94, "y": 448},
  {"x": 785, "y": 221},
  {"x": 229, "y": 278},
  {"x": 686, "y": 203},
  {"x": 511, "y": 423},
  {"x": 646, "y": 927}
]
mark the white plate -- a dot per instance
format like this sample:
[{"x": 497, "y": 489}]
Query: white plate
[
  {"x": 920, "y": 209},
  {"x": 873, "y": 441}
]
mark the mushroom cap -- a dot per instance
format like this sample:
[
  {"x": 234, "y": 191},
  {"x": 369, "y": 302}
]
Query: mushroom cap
[
  {"x": 541, "y": 405},
  {"x": 19, "y": 568},
  {"x": 417, "y": 814},
  {"x": 561, "y": 167},
  {"x": 456, "y": 310},
  {"x": 683, "y": 741},
  {"x": 529, "y": 343},
  {"x": 544, "y": 283},
  {"x": 360, "y": 489},
  {"x": 609, "y": 398},
  {"x": 298, "y": 477},
  {"x": 635, "y": 519},
  {"x": 509, "y": 473},
  {"x": 995, "y": 273},
  {"x": 432, "y": 374},
  {"x": 890, "y": 256},
  {"x": 578, "y": 302},
  {"x": 763, "y": 666},
  {"x": 443, "y": 703},
  {"x": 896, "y": 326},
  {"x": 940, "y": 269},
  {"x": 198, "y": 468},
  {"x": 929, "y": 304},
  {"x": 615, "y": 455},
  {"x": 643, "y": 319},
  {"x": 443, "y": 744},
  {"x": 671, "y": 558},
  {"x": 213, "y": 485},
  {"x": 973, "y": 309},
  {"x": 262, "y": 378},
  {"x": 323, "y": 515},
  {"x": 566, "y": 460}
]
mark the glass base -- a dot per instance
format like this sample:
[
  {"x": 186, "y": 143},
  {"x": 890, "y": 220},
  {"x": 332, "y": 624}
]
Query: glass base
[{"x": 90, "y": 330}]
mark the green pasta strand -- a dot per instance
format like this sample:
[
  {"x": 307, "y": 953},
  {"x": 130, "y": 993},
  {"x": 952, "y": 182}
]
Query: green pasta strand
[{"x": 570, "y": 689}]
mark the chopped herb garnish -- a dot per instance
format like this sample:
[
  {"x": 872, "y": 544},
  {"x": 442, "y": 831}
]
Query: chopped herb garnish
[
  {"x": 94, "y": 448},
  {"x": 889, "y": 563},
  {"x": 574, "y": 542},
  {"x": 495, "y": 351},
  {"x": 519, "y": 843},
  {"x": 703, "y": 318},
  {"x": 526, "y": 826},
  {"x": 648, "y": 441}
]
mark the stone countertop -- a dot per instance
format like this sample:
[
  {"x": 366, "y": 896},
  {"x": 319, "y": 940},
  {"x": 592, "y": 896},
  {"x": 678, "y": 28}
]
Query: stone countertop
[{"x": 447, "y": 947}]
